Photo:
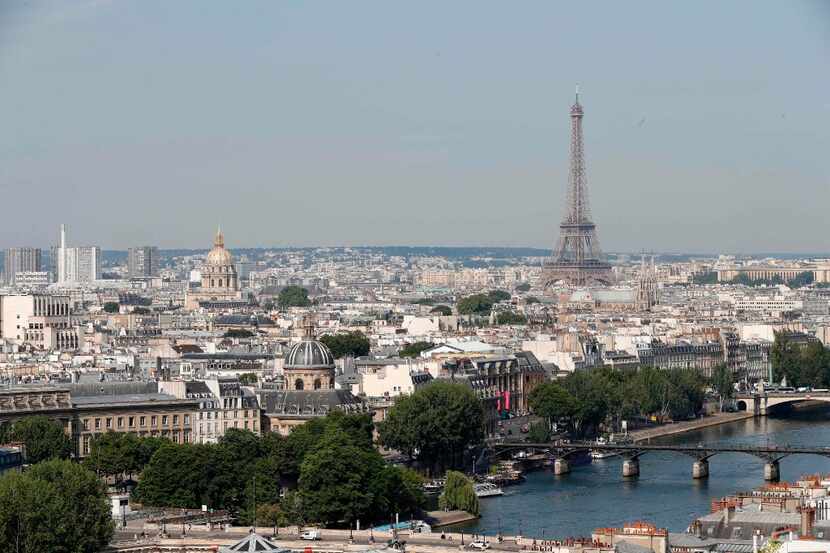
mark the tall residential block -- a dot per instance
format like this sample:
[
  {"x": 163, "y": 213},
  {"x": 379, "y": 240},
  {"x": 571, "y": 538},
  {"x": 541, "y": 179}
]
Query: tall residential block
[
  {"x": 143, "y": 261},
  {"x": 21, "y": 260},
  {"x": 78, "y": 264}
]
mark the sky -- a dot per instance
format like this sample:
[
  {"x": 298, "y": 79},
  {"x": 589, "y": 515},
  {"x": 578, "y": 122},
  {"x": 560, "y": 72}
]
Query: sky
[{"x": 707, "y": 124}]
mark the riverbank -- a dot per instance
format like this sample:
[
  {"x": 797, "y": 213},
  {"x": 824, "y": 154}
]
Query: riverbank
[
  {"x": 438, "y": 519},
  {"x": 647, "y": 434}
]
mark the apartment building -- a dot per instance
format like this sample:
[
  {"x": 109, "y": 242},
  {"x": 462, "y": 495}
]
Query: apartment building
[{"x": 42, "y": 320}]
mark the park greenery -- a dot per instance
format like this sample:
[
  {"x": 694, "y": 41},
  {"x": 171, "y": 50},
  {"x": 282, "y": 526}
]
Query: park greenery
[
  {"x": 293, "y": 296},
  {"x": 437, "y": 426},
  {"x": 523, "y": 287},
  {"x": 333, "y": 472},
  {"x": 347, "y": 344},
  {"x": 510, "y": 318},
  {"x": 802, "y": 364},
  {"x": 585, "y": 402},
  {"x": 459, "y": 494},
  {"x": 481, "y": 304},
  {"x": 415, "y": 349},
  {"x": 111, "y": 307},
  {"x": 238, "y": 333},
  {"x": 42, "y": 437},
  {"x": 56, "y": 506},
  {"x": 444, "y": 310}
]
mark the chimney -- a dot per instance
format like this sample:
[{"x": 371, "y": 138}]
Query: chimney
[
  {"x": 728, "y": 511},
  {"x": 808, "y": 517}
]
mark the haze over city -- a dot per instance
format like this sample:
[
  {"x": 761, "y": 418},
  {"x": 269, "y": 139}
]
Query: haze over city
[{"x": 430, "y": 123}]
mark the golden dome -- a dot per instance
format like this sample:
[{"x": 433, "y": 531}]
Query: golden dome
[{"x": 219, "y": 256}]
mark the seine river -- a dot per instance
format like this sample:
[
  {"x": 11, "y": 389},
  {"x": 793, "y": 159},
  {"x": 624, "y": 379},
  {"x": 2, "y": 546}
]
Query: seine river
[{"x": 596, "y": 495}]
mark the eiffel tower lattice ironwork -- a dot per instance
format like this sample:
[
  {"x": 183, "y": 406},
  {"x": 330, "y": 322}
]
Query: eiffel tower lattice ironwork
[{"x": 577, "y": 259}]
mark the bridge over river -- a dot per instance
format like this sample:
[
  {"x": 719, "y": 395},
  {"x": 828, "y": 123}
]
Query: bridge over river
[
  {"x": 561, "y": 452},
  {"x": 760, "y": 403}
]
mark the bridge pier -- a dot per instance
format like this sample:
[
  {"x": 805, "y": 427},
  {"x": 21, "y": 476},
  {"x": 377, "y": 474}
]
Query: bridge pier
[
  {"x": 772, "y": 471},
  {"x": 631, "y": 468},
  {"x": 700, "y": 469},
  {"x": 561, "y": 466}
]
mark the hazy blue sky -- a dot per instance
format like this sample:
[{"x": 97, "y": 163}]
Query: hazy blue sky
[{"x": 446, "y": 123}]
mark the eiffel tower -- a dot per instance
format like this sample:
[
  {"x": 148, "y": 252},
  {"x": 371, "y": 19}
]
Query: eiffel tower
[{"x": 577, "y": 259}]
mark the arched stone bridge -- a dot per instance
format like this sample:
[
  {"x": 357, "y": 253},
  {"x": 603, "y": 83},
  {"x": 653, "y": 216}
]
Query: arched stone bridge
[
  {"x": 561, "y": 452},
  {"x": 760, "y": 403}
]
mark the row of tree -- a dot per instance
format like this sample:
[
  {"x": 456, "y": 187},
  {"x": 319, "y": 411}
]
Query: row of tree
[
  {"x": 801, "y": 364},
  {"x": 57, "y": 506},
  {"x": 42, "y": 437},
  {"x": 438, "y": 426},
  {"x": 585, "y": 400},
  {"x": 333, "y": 473},
  {"x": 481, "y": 304}
]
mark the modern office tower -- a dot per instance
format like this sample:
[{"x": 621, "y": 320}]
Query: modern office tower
[
  {"x": 143, "y": 261},
  {"x": 21, "y": 260},
  {"x": 79, "y": 264}
]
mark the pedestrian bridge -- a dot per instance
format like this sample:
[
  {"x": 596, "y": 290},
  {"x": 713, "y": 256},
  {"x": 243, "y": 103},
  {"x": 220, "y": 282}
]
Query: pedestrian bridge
[
  {"x": 760, "y": 403},
  {"x": 560, "y": 452}
]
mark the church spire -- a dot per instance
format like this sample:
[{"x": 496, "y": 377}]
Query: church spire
[{"x": 219, "y": 241}]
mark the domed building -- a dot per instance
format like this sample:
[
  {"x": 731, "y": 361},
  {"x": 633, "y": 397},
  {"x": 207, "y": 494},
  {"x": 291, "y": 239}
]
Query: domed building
[
  {"x": 220, "y": 282},
  {"x": 309, "y": 389},
  {"x": 309, "y": 365}
]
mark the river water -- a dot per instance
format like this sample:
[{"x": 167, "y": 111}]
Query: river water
[{"x": 596, "y": 495}]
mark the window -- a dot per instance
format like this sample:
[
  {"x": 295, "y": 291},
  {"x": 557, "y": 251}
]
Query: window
[
  {"x": 298, "y": 384},
  {"x": 187, "y": 419},
  {"x": 153, "y": 420},
  {"x": 175, "y": 419},
  {"x": 86, "y": 424},
  {"x": 120, "y": 422},
  {"x": 164, "y": 420},
  {"x": 142, "y": 421},
  {"x": 131, "y": 421},
  {"x": 97, "y": 424},
  {"x": 317, "y": 384}
]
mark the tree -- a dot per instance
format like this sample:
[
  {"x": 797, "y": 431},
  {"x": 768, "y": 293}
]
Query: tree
[
  {"x": 111, "y": 307},
  {"x": 477, "y": 304},
  {"x": 248, "y": 379},
  {"x": 55, "y": 506},
  {"x": 531, "y": 300},
  {"x": 510, "y": 318},
  {"x": 523, "y": 287},
  {"x": 238, "y": 333},
  {"x": 553, "y": 402},
  {"x": 538, "y": 433},
  {"x": 335, "y": 480},
  {"x": 415, "y": 349},
  {"x": 459, "y": 494},
  {"x": 443, "y": 310},
  {"x": 499, "y": 295},
  {"x": 293, "y": 296},
  {"x": 354, "y": 344},
  {"x": 786, "y": 360},
  {"x": 437, "y": 424},
  {"x": 44, "y": 438},
  {"x": 723, "y": 382}
]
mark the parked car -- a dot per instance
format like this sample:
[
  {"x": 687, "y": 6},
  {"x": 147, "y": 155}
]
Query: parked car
[
  {"x": 479, "y": 545},
  {"x": 310, "y": 535}
]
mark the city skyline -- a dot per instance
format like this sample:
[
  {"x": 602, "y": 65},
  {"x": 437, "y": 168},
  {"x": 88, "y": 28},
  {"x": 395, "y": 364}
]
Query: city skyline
[{"x": 315, "y": 137}]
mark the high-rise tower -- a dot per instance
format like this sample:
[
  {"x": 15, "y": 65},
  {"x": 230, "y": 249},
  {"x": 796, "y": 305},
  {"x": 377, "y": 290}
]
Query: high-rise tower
[{"x": 577, "y": 259}]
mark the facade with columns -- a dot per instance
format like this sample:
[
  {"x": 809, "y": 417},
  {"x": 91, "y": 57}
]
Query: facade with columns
[{"x": 220, "y": 282}]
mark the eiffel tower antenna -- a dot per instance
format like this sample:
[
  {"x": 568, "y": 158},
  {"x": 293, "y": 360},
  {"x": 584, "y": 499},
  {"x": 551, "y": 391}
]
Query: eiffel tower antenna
[{"x": 577, "y": 259}]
